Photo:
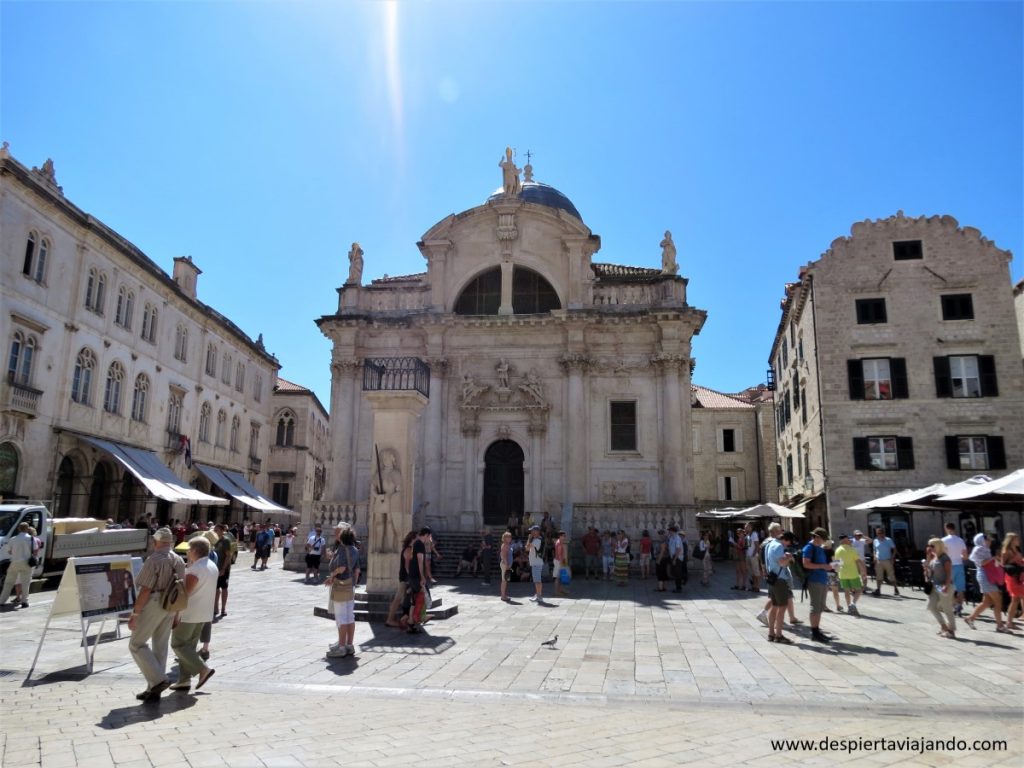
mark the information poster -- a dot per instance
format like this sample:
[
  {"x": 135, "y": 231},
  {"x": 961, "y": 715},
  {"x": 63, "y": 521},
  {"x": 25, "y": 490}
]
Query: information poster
[{"x": 105, "y": 587}]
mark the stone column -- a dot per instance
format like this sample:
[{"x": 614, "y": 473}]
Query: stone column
[
  {"x": 506, "y": 288},
  {"x": 432, "y": 439},
  {"x": 672, "y": 489},
  {"x": 536, "y": 467},
  {"x": 470, "y": 501},
  {"x": 344, "y": 402},
  {"x": 507, "y": 233},
  {"x": 436, "y": 254},
  {"x": 395, "y": 417},
  {"x": 574, "y": 437}
]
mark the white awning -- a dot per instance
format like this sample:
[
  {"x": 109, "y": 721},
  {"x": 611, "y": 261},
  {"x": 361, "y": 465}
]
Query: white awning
[
  {"x": 901, "y": 498},
  {"x": 769, "y": 509},
  {"x": 234, "y": 484},
  {"x": 980, "y": 485},
  {"x": 154, "y": 474}
]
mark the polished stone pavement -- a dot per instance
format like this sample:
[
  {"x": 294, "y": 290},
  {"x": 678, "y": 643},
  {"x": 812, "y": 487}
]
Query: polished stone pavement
[{"x": 636, "y": 678}]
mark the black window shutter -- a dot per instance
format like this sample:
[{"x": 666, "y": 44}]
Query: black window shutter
[
  {"x": 898, "y": 371},
  {"x": 987, "y": 373},
  {"x": 905, "y": 452},
  {"x": 996, "y": 452},
  {"x": 943, "y": 382},
  {"x": 861, "y": 457},
  {"x": 855, "y": 373},
  {"x": 952, "y": 452}
]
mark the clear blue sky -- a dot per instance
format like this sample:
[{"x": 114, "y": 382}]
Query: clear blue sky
[{"x": 263, "y": 138}]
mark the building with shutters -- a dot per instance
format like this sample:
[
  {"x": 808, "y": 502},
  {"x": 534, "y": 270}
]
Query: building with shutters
[{"x": 897, "y": 364}]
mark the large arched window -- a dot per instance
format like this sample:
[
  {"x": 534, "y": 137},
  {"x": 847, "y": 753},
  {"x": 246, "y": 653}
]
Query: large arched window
[
  {"x": 531, "y": 293},
  {"x": 19, "y": 362},
  {"x": 140, "y": 397},
  {"x": 204, "y": 423},
  {"x": 482, "y": 296},
  {"x": 112, "y": 393},
  {"x": 222, "y": 421},
  {"x": 286, "y": 429},
  {"x": 81, "y": 384},
  {"x": 236, "y": 423}
]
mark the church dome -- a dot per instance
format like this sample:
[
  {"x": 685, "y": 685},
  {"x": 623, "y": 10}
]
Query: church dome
[{"x": 541, "y": 194}]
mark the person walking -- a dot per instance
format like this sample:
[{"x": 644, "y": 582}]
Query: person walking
[
  {"x": 739, "y": 551},
  {"x": 287, "y": 543},
  {"x": 533, "y": 550},
  {"x": 149, "y": 621},
  {"x": 314, "y": 550},
  {"x": 264, "y": 542},
  {"x": 608, "y": 555},
  {"x": 645, "y": 554},
  {"x": 849, "y": 573},
  {"x": 938, "y": 573},
  {"x": 991, "y": 596},
  {"x": 780, "y": 583},
  {"x": 956, "y": 548},
  {"x": 661, "y": 561},
  {"x": 676, "y": 556},
  {"x": 817, "y": 566},
  {"x": 703, "y": 554},
  {"x": 505, "y": 563},
  {"x": 560, "y": 561},
  {"x": 885, "y": 562},
  {"x": 342, "y": 577},
  {"x": 225, "y": 549},
  {"x": 397, "y": 600},
  {"x": 1013, "y": 568},
  {"x": 622, "y": 559},
  {"x": 21, "y": 548},
  {"x": 752, "y": 553},
  {"x": 187, "y": 626},
  {"x": 591, "y": 553}
]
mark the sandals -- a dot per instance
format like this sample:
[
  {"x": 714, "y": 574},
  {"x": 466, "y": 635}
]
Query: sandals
[
  {"x": 783, "y": 640},
  {"x": 1004, "y": 630},
  {"x": 970, "y": 623}
]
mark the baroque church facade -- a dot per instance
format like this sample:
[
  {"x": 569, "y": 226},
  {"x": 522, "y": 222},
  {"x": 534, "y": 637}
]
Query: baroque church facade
[{"x": 558, "y": 383}]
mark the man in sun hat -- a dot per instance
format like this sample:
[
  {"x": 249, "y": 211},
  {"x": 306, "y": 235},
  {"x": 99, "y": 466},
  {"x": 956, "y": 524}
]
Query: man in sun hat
[
  {"x": 817, "y": 566},
  {"x": 149, "y": 620}
]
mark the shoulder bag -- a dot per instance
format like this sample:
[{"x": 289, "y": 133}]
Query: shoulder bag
[
  {"x": 343, "y": 590},
  {"x": 175, "y": 597}
]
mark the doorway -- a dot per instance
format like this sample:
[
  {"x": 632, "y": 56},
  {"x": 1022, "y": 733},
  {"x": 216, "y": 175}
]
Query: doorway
[{"x": 503, "y": 482}]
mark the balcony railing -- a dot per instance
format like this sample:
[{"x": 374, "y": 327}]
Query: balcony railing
[
  {"x": 173, "y": 440},
  {"x": 396, "y": 374},
  {"x": 255, "y": 463},
  {"x": 21, "y": 398}
]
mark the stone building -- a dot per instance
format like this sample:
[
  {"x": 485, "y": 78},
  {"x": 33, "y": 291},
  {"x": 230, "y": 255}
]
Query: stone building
[
  {"x": 557, "y": 383},
  {"x": 1018, "y": 304},
  {"x": 299, "y": 445},
  {"x": 124, "y": 394},
  {"x": 897, "y": 364}
]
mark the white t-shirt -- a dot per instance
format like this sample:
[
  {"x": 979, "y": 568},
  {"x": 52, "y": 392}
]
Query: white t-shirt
[
  {"x": 858, "y": 544},
  {"x": 315, "y": 542},
  {"x": 201, "y": 599},
  {"x": 533, "y": 550},
  {"x": 955, "y": 548},
  {"x": 752, "y": 541}
]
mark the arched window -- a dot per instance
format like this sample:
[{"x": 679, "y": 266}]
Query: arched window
[
  {"x": 149, "y": 323},
  {"x": 211, "y": 359},
  {"x": 95, "y": 289},
  {"x": 30, "y": 253},
  {"x": 44, "y": 250},
  {"x": 286, "y": 429},
  {"x": 140, "y": 397},
  {"x": 19, "y": 362},
  {"x": 531, "y": 293},
  {"x": 225, "y": 369},
  {"x": 112, "y": 393},
  {"x": 81, "y": 383},
  {"x": 174, "y": 413},
  {"x": 236, "y": 424},
  {"x": 204, "y": 423},
  {"x": 482, "y": 296},
  {"x": 181, "y": 343},
  {"x": 240, "y": 377},
  {"x": 8, "y": 470},
  {"x": 222, "y": 423},
  {"x": 125, "y": 307}
]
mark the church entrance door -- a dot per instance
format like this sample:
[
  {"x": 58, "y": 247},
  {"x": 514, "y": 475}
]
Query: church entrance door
[{"x": 503, "y": 482}]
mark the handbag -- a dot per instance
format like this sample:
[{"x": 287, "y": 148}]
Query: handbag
[
  {"x": 175, "y": 597},
  {"x": 994, "y": 573},
  {"x": 343, "y": 590}
]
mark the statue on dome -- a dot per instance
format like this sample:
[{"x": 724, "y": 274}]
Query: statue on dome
[
  {"x": 509, "y": 174},
  {"x": 668, "y": 255},
  {"x": 355, "y": 265}
]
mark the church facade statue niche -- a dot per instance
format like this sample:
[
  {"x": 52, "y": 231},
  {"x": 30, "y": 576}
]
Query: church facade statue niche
[{"x": 386, "y": 502}]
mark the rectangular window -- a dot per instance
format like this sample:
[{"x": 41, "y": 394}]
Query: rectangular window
[
  {"x": 906, "y": 250},
  {"x": 803, "y": 398},
  {"x": 728, "y": 440},
  {"x": 878, "y": 378},
  {"x": 966, "y": 376},
  {"x": 211, "y": 360},
  {"x": 785, "y": 353},
  {"x": 871, "y": 311},
  {"x": 975, "y": 452},
  {"x": 279, "y": 494},
  {"x": 726, "y": 488},
  {"x": 789, "y": 469},
  {"x": 257, "y": 388},
  {"x": 884, "y": 452},
  {"x": 958, "y": 306},
  {"x": 877, "y": 381},
  {"x": 622, "y": 418}
]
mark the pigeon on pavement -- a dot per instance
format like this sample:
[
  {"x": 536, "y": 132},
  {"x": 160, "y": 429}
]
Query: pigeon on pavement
[{"x": 551, "y": 643}]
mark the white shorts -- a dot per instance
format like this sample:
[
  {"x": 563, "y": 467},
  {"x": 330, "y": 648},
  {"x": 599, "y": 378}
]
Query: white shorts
[{"x": 345, "y": 613}]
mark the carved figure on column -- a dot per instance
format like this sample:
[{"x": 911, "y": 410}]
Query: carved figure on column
[
  {"x": 533, "y": 386},
  {"x": 509, "y": 174},
  {"x": 668, "y": 255},
  {"x": 502, "y": 368},
  {"x": 355, "y": 265},
  {"x": 470, "y": 389},
  {"x": 386, "y": 506}
]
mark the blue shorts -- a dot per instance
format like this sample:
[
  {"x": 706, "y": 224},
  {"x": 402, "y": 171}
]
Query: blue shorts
[
  {"x": 537, "y": 572},
  {"x": 959, "y": 578}
]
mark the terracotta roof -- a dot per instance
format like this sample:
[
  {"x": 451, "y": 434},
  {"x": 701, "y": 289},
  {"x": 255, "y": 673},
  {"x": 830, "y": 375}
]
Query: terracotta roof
[
  {"x": 283, "y": 385},
  {"x": 709, "y": 398},
  {"x": 758, "y": 394}
]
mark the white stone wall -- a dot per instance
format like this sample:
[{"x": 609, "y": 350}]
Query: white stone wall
[{"x": 53, "y": 311}]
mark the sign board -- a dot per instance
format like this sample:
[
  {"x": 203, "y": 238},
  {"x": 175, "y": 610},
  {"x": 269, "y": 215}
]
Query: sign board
[
  {"x": 97, "y": 586},
  {"x": 98, "y": 543}
]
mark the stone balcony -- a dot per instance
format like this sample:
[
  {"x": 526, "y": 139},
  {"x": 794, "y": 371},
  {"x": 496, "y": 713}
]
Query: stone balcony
[{"x": 18, "y": 397}]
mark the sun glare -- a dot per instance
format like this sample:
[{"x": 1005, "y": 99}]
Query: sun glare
[{"x": 391, "y": 64}]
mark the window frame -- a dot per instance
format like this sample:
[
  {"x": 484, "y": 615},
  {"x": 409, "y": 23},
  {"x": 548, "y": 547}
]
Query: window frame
[
  {"x": 140, "y": 398},
  {"x": 81, "y": 379},
  {"x": 615, "y": 428},
  {"x": 871, "y": 311},
  {"x": 907, "y": 250},
  {"x": 112, "y": 389},
  {"x": 957, "y": 306}
]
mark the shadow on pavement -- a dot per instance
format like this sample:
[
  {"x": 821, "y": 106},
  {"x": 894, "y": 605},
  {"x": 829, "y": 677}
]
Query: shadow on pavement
[
  {"x": 146, "y": 711},
  {"x": 387, "y": 639},
  {"x": 843, "y": 649}
]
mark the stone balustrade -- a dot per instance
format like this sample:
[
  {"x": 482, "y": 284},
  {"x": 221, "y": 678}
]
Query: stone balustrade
[
  {"x": 639, "y": 294},
  {"x": 633, "y": 518}
]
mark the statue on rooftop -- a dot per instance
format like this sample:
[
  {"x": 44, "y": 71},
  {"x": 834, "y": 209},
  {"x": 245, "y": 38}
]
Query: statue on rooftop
[
  {"x": 509, "y": 174},
  {"x": 668, "y": 255},
  {"x": 355, "y": 265}
]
